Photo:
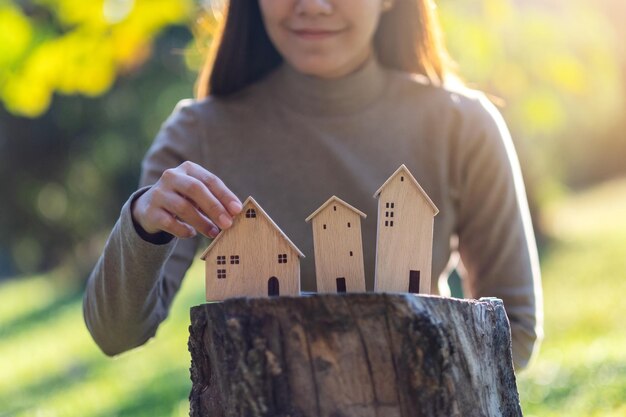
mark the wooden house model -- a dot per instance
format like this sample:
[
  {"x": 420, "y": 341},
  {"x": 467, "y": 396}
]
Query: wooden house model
[
  {"x": 404, "y": 237},
  {"x": 338, "y": 247},
  {"x": 252, "y": 258}
]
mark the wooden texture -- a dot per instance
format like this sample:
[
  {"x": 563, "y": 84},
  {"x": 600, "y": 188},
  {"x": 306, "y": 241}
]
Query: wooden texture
[
  {"x": 404, "y": 238},
  {"x": 352, "y": 355},
  {"x": 338, "y": 246},
  {"x": 251, "y": 257}
]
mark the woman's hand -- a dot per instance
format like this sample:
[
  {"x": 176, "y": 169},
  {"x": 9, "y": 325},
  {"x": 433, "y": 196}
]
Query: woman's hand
[{"x": 186, "y": 200}]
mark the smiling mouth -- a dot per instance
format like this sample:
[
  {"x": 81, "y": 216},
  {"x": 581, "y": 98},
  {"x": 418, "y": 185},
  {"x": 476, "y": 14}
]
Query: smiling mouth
[{"x": 315, "y": 34}]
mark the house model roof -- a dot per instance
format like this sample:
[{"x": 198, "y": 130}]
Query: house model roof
[
  {"x": 404, "y": 170},
  {"x": 260, "y": 210},
  {"x": 336, "y": 200}
]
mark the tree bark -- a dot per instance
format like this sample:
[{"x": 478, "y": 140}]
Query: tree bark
[{"x": 352, "y": 355}]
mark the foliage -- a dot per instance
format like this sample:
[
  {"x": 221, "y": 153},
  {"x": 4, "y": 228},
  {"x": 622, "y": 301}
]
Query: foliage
[
  {"x": 72, "y": 46},
  {"x": 68, "y": 171},
  {"x": 52, "y": 368}
]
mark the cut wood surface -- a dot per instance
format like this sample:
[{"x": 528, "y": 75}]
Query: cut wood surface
[{"x": 352, "y": 355}]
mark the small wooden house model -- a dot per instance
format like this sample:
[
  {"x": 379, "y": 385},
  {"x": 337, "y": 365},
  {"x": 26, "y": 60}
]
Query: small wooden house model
[
  {"x": 252, "y": 258},
  {"x": 404, "y": 238},
  {"x": 338, "y": 247}
]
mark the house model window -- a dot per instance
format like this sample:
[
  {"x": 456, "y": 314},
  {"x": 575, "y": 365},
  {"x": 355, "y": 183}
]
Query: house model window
[
  {"x": 251, "y": 214},
  {"x": 389, "y": 213},
  {"x": 221, "y": 274},
  {"x": 221, "y": 260},
  {"x": 234, "y": 259},
  {"x": 282, "y": 258}
]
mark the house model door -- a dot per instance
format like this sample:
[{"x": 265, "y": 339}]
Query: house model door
[
  {"x": 341, "y": 285},
  {"x": 273, "y": 287},
  {"x": 414, "y": 282}
]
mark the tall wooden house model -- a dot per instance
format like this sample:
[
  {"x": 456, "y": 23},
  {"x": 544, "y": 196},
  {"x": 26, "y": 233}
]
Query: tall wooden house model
[
  {"x": 404, "y": 236},
  {"x": 252, "y": 258},
  {"x": 338, "y": 247}
]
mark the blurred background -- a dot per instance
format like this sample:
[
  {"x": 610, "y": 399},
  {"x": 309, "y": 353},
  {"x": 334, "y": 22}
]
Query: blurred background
[{"x": 85, "y": 86}]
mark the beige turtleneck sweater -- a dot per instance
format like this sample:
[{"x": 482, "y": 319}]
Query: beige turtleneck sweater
[{"x": 292, "y": 141}]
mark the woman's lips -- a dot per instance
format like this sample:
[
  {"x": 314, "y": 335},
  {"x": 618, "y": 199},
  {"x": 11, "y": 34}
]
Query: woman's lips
[{"x": 315, "y": 34}]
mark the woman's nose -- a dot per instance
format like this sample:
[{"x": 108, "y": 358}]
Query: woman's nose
[{"x": 314, "y": 7}]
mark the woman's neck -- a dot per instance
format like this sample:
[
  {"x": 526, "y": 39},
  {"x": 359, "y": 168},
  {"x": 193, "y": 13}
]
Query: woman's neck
[{"x": 329, "y": 96}]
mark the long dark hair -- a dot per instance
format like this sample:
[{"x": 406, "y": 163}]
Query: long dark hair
[{"x": 408, "y": 38}]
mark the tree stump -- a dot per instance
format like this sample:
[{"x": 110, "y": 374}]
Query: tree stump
[{"x": 352, "y": 355}]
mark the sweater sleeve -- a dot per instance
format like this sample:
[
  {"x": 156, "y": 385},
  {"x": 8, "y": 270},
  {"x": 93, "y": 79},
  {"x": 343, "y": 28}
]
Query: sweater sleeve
[
  {"x": 496, "y": 240},
  {"x": 131, "y": 288}
]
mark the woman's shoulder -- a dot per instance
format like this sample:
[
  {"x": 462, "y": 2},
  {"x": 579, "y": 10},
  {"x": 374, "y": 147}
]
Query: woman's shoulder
[
  {"x": 475, "y": 120},
  {"x": 210, "y": 105},
  {"x": 450, "y": 97},
  {"x": 212, "y": 112}
]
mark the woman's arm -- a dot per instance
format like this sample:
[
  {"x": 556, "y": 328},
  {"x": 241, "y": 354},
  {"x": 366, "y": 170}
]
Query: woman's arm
[
  {"x": 132, "y": 285},
  {"x": 496, "y": 240},
  {"x": 134, "y": 282}
]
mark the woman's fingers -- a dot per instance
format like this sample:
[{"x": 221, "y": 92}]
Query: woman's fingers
[
  {"x": 216, "y": 187},
  {"x": 163, "y": 209},
  {"x": 187, "y": 199},
  {"x": 185, "y": 210},
  {"x": 194, "y": 195},
  {"x": 170, "y": 224}
]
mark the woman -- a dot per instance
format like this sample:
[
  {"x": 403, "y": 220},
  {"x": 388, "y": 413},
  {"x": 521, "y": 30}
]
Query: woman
[{"x": 304, "y": 99}]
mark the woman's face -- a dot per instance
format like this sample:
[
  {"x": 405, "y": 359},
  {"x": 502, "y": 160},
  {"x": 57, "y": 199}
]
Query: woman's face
[{"x": 323, "y": 38}]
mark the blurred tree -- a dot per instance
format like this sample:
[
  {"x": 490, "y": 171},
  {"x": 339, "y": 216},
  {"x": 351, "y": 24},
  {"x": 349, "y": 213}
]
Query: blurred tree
[
  {"x": 555, "y": 65},
  {"x": 604, "y": 157},
  {"x": 73, "y": 46},
  {"x": 101, "y": 78},
  {"x": 66, "y": 173}
]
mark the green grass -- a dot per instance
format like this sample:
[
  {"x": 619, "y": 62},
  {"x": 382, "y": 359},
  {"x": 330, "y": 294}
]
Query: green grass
[
  {"x": 50, "y": 367},
  {"x": 581, "y": 367}
]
